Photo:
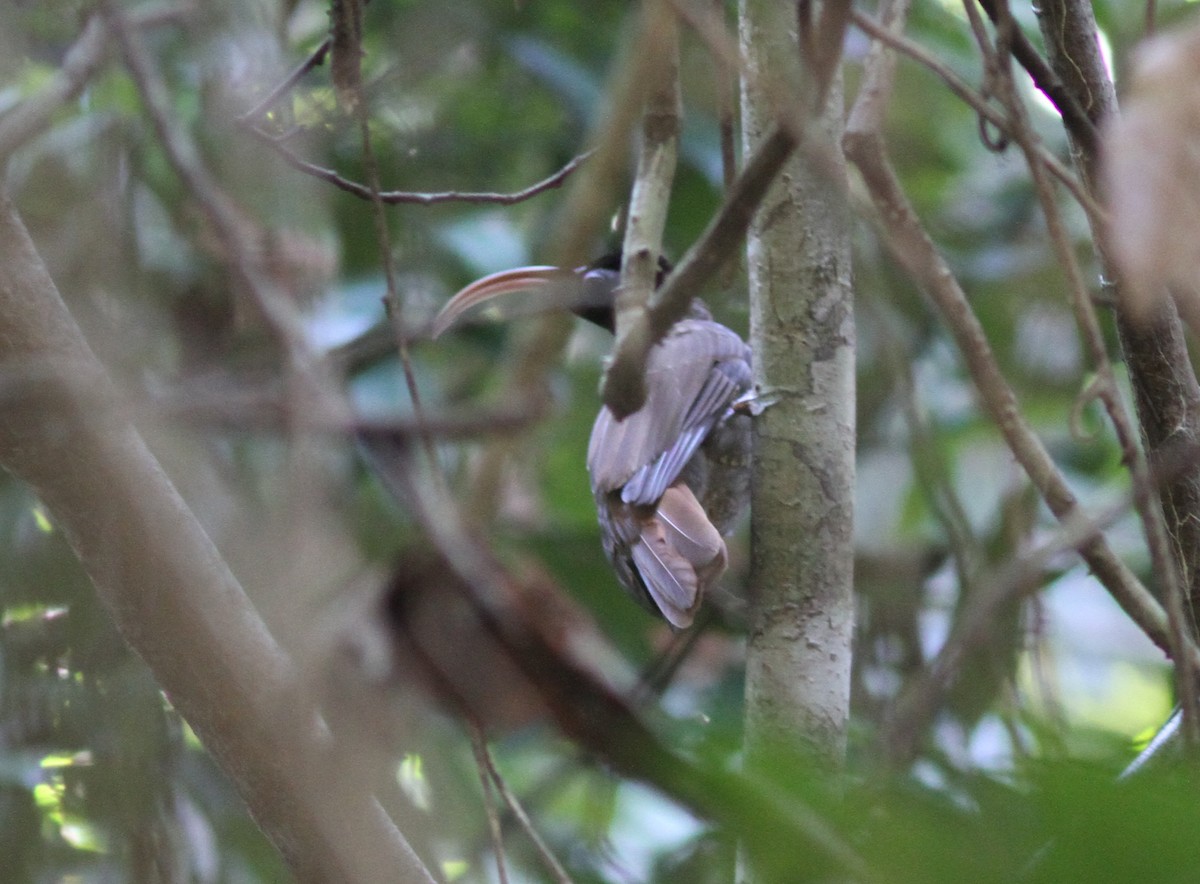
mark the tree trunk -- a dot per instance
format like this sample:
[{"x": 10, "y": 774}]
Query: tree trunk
[{"x": 803, "y": 337}]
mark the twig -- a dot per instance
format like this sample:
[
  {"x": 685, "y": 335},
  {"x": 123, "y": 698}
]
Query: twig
[
  {"x": 1074, "y": 116},
  {"x": 651, "y": 194},
  {"x": 1162, "y": 556},
  {"x": 316, "y": 59},
  {"x": 485, "y": 767},
  {"x": 488, "y": 767},
  {"x": 976, "y": 101},
  {"x": 396, "y": 197},
  {"x": 915, "y": 251},
  {"x": 392, "y": 302}
]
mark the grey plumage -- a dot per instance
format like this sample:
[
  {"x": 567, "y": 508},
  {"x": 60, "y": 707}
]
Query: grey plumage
[{"x": 672, "y": 478}]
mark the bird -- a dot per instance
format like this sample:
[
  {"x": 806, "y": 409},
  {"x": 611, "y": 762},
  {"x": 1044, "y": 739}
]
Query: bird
[{"x": 673, "y": 478}]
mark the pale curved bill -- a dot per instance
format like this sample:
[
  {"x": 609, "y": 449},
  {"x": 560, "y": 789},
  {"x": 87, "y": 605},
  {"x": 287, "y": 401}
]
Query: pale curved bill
[{"x": 519, "y": 279}]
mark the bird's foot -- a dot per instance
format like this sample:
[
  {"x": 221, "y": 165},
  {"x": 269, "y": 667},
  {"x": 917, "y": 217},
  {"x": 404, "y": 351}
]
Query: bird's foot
[{"x": 753, "y": 403}]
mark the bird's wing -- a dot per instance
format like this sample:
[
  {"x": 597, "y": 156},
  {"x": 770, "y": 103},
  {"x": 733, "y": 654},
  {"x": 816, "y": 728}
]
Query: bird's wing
[
  {"x": 679, "y": 554},
  {"x": 692, "y": 377}
]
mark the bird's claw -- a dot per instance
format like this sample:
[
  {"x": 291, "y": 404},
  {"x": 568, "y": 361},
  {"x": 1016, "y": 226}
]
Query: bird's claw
[{"x": 753, "y": 403}]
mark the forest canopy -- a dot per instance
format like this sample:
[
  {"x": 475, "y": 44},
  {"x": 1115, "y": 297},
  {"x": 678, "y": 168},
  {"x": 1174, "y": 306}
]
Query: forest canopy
[{"x": 294, "y": 589}]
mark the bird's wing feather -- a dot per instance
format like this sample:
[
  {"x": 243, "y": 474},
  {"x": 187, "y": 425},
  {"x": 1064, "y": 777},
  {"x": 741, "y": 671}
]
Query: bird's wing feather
[
  {"x": 677, "y": 554},
  {"x": 689, "y": 530},
  {"x": 692, "y": 376},
  {"x": 670, "y": 580}
]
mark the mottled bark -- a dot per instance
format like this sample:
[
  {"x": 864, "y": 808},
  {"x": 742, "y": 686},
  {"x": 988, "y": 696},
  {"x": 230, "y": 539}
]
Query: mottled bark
[{"x": 802, "y": 334}]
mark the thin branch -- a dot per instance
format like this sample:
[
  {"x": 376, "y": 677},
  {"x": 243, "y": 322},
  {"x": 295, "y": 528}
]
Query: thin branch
[
  {"x": 976, "y": 101},
  {"x": 394, "y": 306},
  {"x": 701, "y": 263},
  {"x": 1075, "y": 117},
  {"x": 1162, "y": 556},
  {"x": 1163, "y": 379},
  {"x": 651, "y": 194},
  {"x": 915, "y": 251},
  {"x": 316, "y": 59},
  {"x": 396, "y": 197},
  {"x": 488, "y": 765}
]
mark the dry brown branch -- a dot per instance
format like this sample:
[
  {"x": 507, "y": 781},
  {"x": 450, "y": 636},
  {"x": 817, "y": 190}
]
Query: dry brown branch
[
  {"x": 914, "y": 251},
  {"x": 1164, "y": 383},
  {"x": 1162, "y": 556},
  {"x": 976, "y": 101},
  {"x": 1075, "y": 114},
  {"x": 911, "y": 246}
]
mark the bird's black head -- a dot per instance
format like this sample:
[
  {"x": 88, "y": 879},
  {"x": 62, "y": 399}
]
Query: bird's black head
[{"x": 600, "y": 279}]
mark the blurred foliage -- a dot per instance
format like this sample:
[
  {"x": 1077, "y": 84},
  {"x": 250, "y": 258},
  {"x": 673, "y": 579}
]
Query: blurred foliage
[{"x": 100, "y": 780}]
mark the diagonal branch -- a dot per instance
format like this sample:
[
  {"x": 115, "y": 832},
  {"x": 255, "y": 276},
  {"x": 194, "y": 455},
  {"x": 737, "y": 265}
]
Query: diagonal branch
[
  {"x": 977, "y": 102},
  {"x": 702, "y": 262},
  {"x": 1164, "y": 383},
  {"x": 1162, "y": 555},
  {"x": 648, "y": 203},
  {"x": 1075, "y": 115},
  {"x": 172, "y": 595},
  {"x": 915, "y": 251}
]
